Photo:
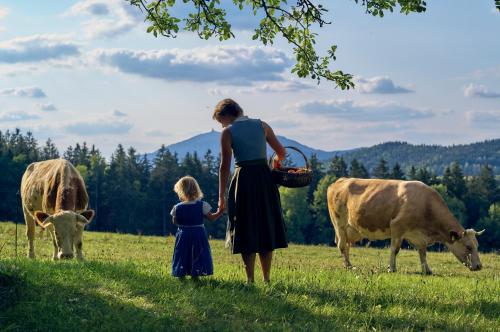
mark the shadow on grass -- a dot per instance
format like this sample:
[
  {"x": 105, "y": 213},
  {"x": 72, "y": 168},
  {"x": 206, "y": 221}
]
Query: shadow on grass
[{"x": 128, "y": 297}]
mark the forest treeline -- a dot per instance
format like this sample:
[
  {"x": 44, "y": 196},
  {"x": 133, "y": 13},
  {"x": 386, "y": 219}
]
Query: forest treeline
[{"x": 132, "y": 194}]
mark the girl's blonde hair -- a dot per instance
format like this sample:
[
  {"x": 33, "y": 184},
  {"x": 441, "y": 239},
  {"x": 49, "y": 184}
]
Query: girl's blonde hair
[{"x": 187, "y": 189}]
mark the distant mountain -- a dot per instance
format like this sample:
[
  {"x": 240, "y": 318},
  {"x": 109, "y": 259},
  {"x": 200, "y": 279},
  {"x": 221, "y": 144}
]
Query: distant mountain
[
  {"x": 435, "y": 157},
  {"x": 211, "y": 141}
]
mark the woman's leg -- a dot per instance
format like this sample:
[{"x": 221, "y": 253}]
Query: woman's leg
[
  {"x": 265, "y": 262},
  {"x": 249, "y": 261}
]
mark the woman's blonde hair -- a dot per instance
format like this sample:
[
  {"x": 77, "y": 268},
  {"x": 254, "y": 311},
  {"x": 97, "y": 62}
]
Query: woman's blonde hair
[
  {"x": 187, "y": 189},
  {"x": 227, "y": 107}
]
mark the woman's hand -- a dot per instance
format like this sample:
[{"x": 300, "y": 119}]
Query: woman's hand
[{"x": 276, "y": 162}]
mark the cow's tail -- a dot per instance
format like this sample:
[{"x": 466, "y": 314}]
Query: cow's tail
[{"x": 331, "y": 210}]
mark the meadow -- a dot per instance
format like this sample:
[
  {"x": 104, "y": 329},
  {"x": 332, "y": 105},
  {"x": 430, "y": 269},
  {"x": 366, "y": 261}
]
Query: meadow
[{"x": 125, "y": 285}]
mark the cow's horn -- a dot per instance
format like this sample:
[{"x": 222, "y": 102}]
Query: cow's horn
[{"x": 480, "y": 232}]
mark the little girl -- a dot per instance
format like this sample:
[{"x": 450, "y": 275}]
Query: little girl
[{"x": 192, "y": 254}]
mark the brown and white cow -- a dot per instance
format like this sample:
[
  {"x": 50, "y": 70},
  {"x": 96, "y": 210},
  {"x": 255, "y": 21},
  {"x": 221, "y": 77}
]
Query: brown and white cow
[
  {"x": 54, "y": 195},
  {"x": 381, "y": 209}
]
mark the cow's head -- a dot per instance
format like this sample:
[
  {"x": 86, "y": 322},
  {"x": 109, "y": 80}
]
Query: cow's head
[
  {"x": 68, "y": 228},
  {"x": 464, "y": 246}
]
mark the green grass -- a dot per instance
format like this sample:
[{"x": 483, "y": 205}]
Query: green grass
[{"x": 125, "y": 285}]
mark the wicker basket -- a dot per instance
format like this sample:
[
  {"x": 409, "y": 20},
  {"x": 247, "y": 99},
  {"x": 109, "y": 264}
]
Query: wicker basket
[{"x": 283, "y": 177}]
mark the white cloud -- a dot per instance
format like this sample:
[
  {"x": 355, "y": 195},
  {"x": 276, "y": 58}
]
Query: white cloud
[
  {"x": 119, "y": 114},
  {"x": 31, "y": 92},
  {"x": 112, "y": 123},
  {"x": 17, "y": 116},
  {"x": 109, "y": 18},
  {"x": 98, "y": 127},
  {"x": 157, "y": 133},
  {"x": 48, "y": 107},
  {"x": 484, "y": 119},
  {"x": 238, "y": 65},
  {"x": 284, "y": 123},
  {"x": 276, "y": 87},
  {"x": 379, "y": 84},
  {"x": 37, "y": 48},
  {"x": 96, "y": 8},
  {"x": 478, "y": 90},
  {"x": 363, "y": 111},
  {"x": 218, "y": 92}
]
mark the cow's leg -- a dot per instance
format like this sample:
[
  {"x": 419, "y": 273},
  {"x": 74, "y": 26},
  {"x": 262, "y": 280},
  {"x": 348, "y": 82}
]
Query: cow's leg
[
  {"x": 422, "y": 252},
  {"x": 343, "y": 245},
  {"x": 78, "y": 246},
  {"x": 395, "y": 247},
  {"x": 30, "y": 232},
  {"x": 54, "y": 242}
]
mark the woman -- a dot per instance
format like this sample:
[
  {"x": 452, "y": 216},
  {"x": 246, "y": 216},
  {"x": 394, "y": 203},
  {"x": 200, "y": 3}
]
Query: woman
[{"x": 255, "y": 219}]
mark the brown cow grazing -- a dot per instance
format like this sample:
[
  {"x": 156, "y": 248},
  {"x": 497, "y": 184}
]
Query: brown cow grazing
[
  {"x": 381, "y": 209},
  {"x": 54, "y": 195}
]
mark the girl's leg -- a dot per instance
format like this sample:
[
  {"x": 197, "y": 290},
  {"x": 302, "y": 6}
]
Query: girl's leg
[
  {"x": 265, "y": 262},
  {"x": 249, "y": 261}
]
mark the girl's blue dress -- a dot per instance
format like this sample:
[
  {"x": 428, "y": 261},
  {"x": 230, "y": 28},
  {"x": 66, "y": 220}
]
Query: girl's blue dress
[{"x": 192, "y": 255}]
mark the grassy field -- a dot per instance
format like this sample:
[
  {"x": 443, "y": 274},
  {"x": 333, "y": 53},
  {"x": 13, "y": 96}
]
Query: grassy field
[{"x": 125, "y": 285}]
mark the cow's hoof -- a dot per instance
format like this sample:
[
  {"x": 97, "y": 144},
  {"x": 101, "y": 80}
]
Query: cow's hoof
[
  {"x": 391, "y": 270},
  {"x": 31, "y": 255},
  {"x": 427, "y": 272},
  {"x": 349, "y": 267}
]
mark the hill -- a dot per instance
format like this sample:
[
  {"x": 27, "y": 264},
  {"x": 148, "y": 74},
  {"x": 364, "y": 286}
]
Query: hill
[
  {"x": 211, "y": 141},
  {"x": 435, "y": 157},
  {"x": 124, "y": 285}
]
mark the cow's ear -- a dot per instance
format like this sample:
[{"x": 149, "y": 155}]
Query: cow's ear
[
  {"x": 455, "y": 236},
  {"x": 88, "y": 215},
  {"x": 41, "y": 217}
]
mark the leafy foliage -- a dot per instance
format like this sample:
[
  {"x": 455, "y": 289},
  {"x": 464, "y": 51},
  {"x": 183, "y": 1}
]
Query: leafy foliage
[{"x": 297, "y": 23}]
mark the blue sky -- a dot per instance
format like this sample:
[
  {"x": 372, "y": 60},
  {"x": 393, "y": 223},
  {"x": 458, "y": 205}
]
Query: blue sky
[{"x": 87, "y": 71}]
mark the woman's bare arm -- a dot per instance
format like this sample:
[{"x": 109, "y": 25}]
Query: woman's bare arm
[
  {"x": 273, "y": 141},
  {"x": 224, "y": 168}
]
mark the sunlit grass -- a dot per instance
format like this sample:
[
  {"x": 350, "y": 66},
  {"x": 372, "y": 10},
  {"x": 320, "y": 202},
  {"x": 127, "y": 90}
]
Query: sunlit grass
[{"x": 125, "y": 285}]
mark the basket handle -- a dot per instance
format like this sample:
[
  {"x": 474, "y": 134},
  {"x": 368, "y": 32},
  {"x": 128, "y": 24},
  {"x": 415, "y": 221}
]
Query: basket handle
[{"x": 308, "y": 166}]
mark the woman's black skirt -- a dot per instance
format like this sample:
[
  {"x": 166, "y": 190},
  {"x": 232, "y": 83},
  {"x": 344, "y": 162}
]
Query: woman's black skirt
[{"x": 256, "y": 222}]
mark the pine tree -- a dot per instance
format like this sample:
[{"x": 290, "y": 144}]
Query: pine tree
[
  {"x": 49, "y": 151},
  {"x": 489, "y": 184},
  {"x": 358, "y": 170},
  {"x": 381, "y": 171},
  {"x": 453, "y": 179},
  {"x": 317, "y": 173},
  {"x": 413, "y": 173},
  {"x": 397, "y": 173},
  {"x": 337, "y": 167}
]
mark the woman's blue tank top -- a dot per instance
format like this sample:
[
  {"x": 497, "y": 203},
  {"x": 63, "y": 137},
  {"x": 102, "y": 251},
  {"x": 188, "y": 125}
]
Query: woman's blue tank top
[{"x": 248, "y": 139}]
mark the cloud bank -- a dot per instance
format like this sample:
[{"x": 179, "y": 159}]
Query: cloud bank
[
  {"x": 36, "y": 48},
  {"x": 31, "y": 92},
  {"x": 46, "y": 107},
  {"x": 108, "y": 19},
  {"x": 481, "y": 91},
  {"x": 17, "y": 116},
  {"x": 363, "y": 111},
  {"x": 379, "y": 84},
  {"x": 238, "y": 65}
]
